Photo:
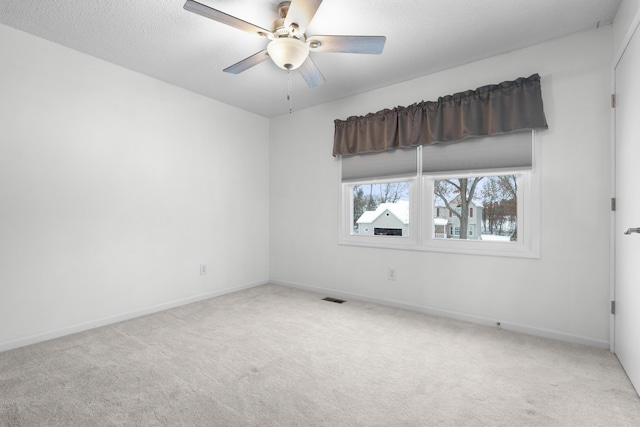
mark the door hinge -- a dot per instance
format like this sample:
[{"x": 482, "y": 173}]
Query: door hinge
[
  {"x": 613, "y": 203},
  {"x": 613, "y": 307},
  {"x": 613, "y": 100}
]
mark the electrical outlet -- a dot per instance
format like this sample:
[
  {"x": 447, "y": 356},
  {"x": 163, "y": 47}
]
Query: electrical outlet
[
  {"x": 203, "y": 269},
  {"x": 391, "y": 274}
]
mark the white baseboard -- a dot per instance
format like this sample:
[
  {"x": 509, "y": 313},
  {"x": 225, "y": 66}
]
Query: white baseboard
[
  {"x": 515, "y": 327},
  {"x": 33, "y": 339},
  {"x": 530, "y": 330}
]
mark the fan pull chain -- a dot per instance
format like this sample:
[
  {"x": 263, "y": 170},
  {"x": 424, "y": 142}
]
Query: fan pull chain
[{"x": 289, "y": 89}]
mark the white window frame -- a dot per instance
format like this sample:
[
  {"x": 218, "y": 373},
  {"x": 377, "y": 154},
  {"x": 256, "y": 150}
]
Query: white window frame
[
  {"x": 397, "y": 242},
  {"x": 421, "y": 214},
  {"x": 528, "y": 208}
]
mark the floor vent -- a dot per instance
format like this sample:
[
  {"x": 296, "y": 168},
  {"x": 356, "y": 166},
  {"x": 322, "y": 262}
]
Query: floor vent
[{"x": 336, "y": 300}]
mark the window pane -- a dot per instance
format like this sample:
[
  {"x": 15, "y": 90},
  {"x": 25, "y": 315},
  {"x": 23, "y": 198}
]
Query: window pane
[
  {"x": 487, "y": 212},
  {"x": 381, "y": 209}
]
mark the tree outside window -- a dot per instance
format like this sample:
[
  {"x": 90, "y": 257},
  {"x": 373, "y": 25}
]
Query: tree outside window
[
  {"x": 496, "y": 199},
  {"x": 456, "y": 195}
]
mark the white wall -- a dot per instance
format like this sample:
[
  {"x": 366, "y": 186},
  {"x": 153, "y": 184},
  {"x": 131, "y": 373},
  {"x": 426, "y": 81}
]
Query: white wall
[
  {"x": 114, "y": 188},
  {"x": 564, "y": 294},
  {"x": 626, "y": 13}
]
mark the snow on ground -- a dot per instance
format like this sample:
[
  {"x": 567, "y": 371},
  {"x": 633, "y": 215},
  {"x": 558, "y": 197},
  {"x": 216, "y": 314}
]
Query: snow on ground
[{"x": 492, "y": 238}]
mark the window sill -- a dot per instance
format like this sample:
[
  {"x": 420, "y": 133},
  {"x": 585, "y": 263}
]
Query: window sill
[{"x": 510, "y": 250}]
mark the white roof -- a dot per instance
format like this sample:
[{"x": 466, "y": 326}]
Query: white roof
[
  {"x": 368, "y": 217},
  {"x": 399, "y": 209}
]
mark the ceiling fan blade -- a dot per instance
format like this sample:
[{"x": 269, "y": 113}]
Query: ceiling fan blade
[
  {"x": 310, "y": 73},
  {"x": 247, "y": 63},
  {"x": 347, "y": 44},
  {"x": 301, "y": 12},
  {"x": 232, "y": 21}
]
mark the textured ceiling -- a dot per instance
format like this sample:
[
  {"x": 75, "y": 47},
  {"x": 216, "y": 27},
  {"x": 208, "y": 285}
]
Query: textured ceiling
[{"x": 159, "y": 38}]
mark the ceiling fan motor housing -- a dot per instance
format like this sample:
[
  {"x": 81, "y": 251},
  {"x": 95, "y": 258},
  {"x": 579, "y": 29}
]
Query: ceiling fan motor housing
[
  {"x": 288, "y": 49},
  {"x": 279, "y": 27}
]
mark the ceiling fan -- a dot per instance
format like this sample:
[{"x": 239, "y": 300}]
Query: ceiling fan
[{"x": 289, "y": 46}]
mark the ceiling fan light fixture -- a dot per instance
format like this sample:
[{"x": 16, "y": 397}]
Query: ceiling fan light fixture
[{"x": 288, "y": 53}]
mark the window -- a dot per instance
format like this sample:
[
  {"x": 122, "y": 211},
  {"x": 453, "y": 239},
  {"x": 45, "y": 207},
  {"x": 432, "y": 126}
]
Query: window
[
  {"x": 380, "y": 212},
  {"x": 380, "y": 208},
  {"x": 378, "y": 194},
  {"x": 467, "y": 197},
  {"x": 494, "y": 198}
]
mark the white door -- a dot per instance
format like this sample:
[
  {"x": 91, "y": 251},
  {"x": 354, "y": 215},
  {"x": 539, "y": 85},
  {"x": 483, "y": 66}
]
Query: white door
[{"x": 627, "y": 246}]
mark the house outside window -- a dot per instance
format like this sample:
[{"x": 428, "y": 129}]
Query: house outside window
[{"x": 387, "y": 218}]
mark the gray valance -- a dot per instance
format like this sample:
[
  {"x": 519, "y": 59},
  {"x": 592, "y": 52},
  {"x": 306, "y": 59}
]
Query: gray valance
[{"x": 489, "y": 110}]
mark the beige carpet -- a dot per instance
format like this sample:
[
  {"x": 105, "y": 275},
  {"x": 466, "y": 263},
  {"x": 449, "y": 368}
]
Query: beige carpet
[{"x": 272, "y": 356}]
